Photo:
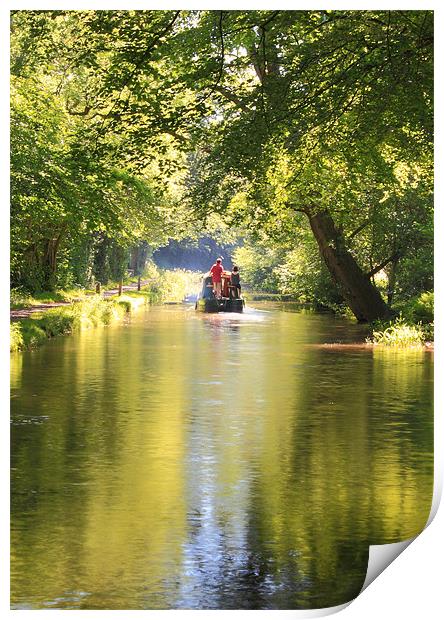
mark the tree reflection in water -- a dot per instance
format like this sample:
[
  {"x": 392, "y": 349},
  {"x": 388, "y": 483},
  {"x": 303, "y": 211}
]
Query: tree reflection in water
[{"x": 188, "y": 461}]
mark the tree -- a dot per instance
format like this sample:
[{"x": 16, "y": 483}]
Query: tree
[
  {"x": 319, "y": 108},
  {"x": 72, "y": 204},
  {"x": 309, "y": 114}
]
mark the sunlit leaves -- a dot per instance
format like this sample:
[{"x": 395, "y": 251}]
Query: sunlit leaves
[{"x": 259, "y": 115}]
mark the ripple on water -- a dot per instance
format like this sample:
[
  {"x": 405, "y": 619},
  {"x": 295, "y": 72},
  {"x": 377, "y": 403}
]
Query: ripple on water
[{"x": 196, "y": 461}]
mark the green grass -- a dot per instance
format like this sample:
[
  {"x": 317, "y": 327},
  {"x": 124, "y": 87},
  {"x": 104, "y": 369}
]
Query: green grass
[
  {"x": 33, "y": 331},
  {"x": 21, "y": 299},
  {"x": 414, "y": 326},
  {"x": 261, "y": 296},
  {"x": 399, "y": 333}
]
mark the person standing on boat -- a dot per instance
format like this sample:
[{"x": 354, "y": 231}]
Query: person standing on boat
[
  {"x": 235, "y": 282},
  {"x": 216, "y": 273}
]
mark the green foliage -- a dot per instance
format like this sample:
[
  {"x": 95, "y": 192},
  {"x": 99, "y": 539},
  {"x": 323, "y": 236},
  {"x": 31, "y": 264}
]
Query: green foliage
[
  {"x": 420, "y": 309},
  {"x": 413, "y": 327},
  {"x": 56, "y": 321},
  {"x": 276, "y": 267},
  {"x": 26, "y": 334},
  {"x": 171, "y": 285},
  {"x": 258, "y": 265},
  {"x": 126, "y": 125},
  {"x": 19, "y": 298},
  {"x": 31, "y": 332},
  {"x": 303, "y": 275},
  {"x": 415, "y": 273},
  {"x": 66, "y": 194},
  {"x": 398, "y": 333},
  {"x": 16, "y": 342},
  {"x": 177, "y": 284}
]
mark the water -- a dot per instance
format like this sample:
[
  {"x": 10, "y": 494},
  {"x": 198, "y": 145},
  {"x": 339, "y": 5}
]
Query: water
[{"x": 183, "y": 460}]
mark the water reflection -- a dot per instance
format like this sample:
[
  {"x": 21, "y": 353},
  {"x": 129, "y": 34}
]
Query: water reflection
[{"x": 190, "y": 461}]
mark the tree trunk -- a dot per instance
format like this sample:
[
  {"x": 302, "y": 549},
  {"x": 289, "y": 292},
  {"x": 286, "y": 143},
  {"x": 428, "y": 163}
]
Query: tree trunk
[
  {"x": 49, "y": 261},
  {"x": 138, "y": 257},
  {"x": 101, "y": 269},
  {"x": 392, "y": 281},
  {"x": 361, "y": 296},
  {"x": 134, "y": 260}
]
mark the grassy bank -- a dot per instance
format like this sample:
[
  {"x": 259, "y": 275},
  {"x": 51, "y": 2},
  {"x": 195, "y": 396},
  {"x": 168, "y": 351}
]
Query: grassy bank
[
  {"x": 35, "y": 330},
  {"x": 21, "y": 299},
  {"x": 261, "y": 296},
  {"x": 414, "y": 326},
  {"x": 89, "y": 310},
  {"x": 163, "y": 285}
]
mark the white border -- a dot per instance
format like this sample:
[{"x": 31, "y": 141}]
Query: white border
[{"x": 411, "y": 587}]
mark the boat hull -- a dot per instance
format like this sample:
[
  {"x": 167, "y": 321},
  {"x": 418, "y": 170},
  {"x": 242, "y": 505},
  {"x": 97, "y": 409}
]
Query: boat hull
[
  {"x": 220, "y": 305},
  {"x": 207, "y": 305},
  {"x": 234, "y": 305}
]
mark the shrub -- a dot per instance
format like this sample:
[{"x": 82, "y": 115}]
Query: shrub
[
  {"x": 55, "y": 322},
  {"x": 16, "y": 337},
  {"x": 170, "y": 284},
  {"x": 31, "y": 332},
  {"x": 398, "y": 333},
  {"x": 26, "y": 334},
  {"x": 420, "y": 309}
]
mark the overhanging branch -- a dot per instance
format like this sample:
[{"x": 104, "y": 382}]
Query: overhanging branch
[
  {"x": 395, "y": 256},
  {"x": 357, "y": 230},
  {"x": 228, "y": 94}
]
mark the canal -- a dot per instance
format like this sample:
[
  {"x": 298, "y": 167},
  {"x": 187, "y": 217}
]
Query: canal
[{"x": 181, "y": 460}]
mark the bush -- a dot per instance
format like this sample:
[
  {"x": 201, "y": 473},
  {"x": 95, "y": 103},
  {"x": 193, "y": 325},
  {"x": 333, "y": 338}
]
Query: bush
[
  {"x": 26, "y": 334},
  {"x": 398, "y": 333},
  {"x": 171, "y": 285},
  {"x": 58, "y": 322},
  {"x": 420, "y": 309},
  {"x": 16, "y": 337},
  {"x": 258, "y": 265},
  {"x": 33, "y": 331}
]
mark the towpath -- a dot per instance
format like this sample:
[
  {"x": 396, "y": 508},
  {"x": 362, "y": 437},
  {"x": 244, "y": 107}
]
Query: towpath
[{"x": 24, "y": 313}]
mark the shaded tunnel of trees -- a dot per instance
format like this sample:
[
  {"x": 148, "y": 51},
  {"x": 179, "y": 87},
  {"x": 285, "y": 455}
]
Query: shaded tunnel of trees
[{"x": 300, "y": 140}]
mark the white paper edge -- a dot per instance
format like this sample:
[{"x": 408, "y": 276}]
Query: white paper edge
[{"x": 381, "y": 556}]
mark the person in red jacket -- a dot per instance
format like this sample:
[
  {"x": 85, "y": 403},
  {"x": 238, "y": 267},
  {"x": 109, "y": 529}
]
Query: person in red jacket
[{"x": 216, "y": 273}]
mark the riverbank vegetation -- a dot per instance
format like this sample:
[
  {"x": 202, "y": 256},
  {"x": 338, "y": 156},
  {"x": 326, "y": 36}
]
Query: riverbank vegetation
[
  {"x": 171, "y": 285},
  {"x": 33, "y": 331},
  {"x": 85, "y": 309},
  {"x": 414, "y": 325},
  {"x": 398, "y": 333},
  {"x": 302, "y": 141},
  {"x": 159, "y": 286},
  {"x": 20, "y": 298}
]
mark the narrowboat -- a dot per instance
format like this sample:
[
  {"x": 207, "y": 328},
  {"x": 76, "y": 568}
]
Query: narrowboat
[{"x": 208, "y": 302}]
